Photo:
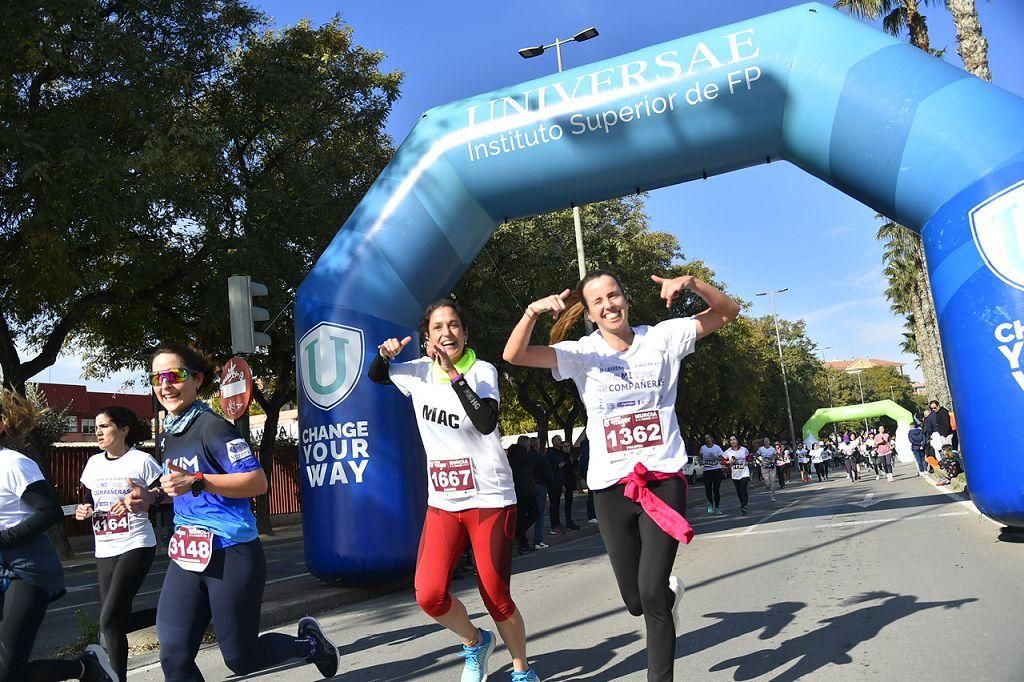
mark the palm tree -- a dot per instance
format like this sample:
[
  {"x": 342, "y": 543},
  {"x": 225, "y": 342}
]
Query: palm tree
[
  {"x": 896, "y": 15},
  {"x": 971, "y": 44},
  {"x": 910, "y": 290}
]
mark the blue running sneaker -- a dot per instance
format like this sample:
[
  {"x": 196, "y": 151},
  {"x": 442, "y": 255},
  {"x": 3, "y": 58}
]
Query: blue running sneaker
[
  {"x": 476, "y": 657},
  {"x": 525, "y": 676}
]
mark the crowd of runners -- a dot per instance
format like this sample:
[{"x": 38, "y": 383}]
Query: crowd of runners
[{"x": 634, "y": 469}]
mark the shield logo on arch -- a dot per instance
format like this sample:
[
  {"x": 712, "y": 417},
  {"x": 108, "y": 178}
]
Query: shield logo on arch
[
  {"x": 998, "y": 228},
  {"x": 330, "y": 363}
]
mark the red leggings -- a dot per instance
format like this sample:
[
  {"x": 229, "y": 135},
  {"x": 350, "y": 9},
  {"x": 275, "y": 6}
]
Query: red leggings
[{"x": 445, "y": 534}]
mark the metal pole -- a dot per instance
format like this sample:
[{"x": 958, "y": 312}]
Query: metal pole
[
  {"x": 558, "y": 52},
  {"x": 785, "y": 381}
]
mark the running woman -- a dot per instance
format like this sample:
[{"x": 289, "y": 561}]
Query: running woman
[
  {"x": 470, "y": 496},
  {"x": 125, "y": 542},
  {"x": 31, "y": 575},
  {"x": 217, "y": 569},
  {"x": 627, "y": 377},
  {"x": 711, "y": 459},
  {"x": 883, "y": 447},
  {"x": 739, "y": 464},
  {"x": 818, "y": 460},
  {"x": 804, "y": 462},
  {"x": 767, "y": 457}
]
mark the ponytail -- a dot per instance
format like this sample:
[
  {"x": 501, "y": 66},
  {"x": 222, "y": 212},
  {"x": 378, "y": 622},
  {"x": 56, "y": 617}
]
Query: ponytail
[{"x": 566, "y": 321}]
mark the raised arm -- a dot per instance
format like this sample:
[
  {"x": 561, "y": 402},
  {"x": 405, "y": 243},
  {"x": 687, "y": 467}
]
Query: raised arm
[
  {"x": 518, "y": 349},
  {"x": 721, "y": 309}
]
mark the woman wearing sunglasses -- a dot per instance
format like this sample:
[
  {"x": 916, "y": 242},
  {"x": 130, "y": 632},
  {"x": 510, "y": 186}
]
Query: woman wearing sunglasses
[
  {"x": 31, "y": 575},
  {"x": 217, "y": 564},
  {"x": 125, "y": 542}
]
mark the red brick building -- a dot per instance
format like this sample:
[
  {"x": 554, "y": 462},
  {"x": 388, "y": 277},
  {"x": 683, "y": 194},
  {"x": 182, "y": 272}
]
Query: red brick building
[{"x": 84, "y": 404}]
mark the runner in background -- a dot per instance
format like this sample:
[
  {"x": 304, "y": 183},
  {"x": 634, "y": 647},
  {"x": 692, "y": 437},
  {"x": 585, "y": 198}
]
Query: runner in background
[
  {"x": 804, "y": 462},
  {"x": 31, "y": 575},
  {"x": 627, "y": 377},
  {"x": 884, "y": 449},
  {"x": 217, "y": 567},
  {"x": 470, "y": 497},
  {"x": 739, "y": 467},
  {"x": 125, "y": 541},
  {"x": 767, "y": 458},
  {"x": 850, "y": 456},
  {"x": 711, "y": 459},
  {"x": 818, "y": 460}
]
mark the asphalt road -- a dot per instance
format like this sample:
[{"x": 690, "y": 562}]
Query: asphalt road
[
  {"x": 834, "y": 581},
  {"x": 62, "y": 625}
]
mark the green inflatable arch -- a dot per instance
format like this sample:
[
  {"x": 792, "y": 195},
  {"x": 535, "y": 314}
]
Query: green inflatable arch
[{"x": 879, "y": 408}]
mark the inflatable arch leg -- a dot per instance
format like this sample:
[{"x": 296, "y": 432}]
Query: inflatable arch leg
[
  {"x": 880, "y": 408},
  {"x": 918, "y": 140}
]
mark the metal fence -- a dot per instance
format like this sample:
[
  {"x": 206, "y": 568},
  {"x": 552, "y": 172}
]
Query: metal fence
[{"x": 67, "y": 464}]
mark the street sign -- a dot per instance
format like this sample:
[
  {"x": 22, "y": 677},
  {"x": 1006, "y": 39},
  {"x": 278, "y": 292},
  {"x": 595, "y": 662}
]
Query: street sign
[{"x": 235, "y": 388}]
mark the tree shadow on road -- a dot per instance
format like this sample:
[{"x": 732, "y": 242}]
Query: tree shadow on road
[{"x": 832, "y": 643}]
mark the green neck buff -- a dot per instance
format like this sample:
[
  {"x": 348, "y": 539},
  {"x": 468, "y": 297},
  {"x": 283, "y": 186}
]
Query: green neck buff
[{"x": 462, "y": 366}]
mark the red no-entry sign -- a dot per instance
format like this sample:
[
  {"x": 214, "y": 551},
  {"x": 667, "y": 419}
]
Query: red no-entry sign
[{"x": 235, "y": 388}]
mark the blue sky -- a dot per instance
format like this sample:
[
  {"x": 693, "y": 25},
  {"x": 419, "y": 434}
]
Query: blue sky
[{"x": 758, "y": 228}]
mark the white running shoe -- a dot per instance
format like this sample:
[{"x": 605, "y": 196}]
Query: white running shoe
[
  {"x": 889, "y": 476},
  {"x": 677, "y": 587},
  {"x": 877, "y": 476},
  {"x": 591, "y": 520}
]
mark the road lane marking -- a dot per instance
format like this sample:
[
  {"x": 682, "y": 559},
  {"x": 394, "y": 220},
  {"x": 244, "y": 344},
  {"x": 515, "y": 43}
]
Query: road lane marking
[
  {"x": 832, "y": 525},
  {"x": 868, "y": 500},
  {"x": 750, "y": 530}
]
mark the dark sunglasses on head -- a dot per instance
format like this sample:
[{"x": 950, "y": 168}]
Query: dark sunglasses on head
[{"x": 175, "y": 375}]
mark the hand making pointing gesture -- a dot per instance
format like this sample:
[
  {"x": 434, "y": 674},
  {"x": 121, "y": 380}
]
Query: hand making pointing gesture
[
  {"x": 671, "y": 288},
  {"x": 554, "y": 304}
]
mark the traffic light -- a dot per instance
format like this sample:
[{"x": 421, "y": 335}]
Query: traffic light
[{"x": 243, "y": 314}]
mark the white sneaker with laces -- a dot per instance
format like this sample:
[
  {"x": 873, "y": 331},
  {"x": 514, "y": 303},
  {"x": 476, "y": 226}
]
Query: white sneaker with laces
[{"x": 677, "y": 587}]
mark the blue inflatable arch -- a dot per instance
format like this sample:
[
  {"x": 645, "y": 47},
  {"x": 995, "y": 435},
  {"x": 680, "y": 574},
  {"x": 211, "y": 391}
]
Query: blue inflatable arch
[{"x": 918, "y": 140}]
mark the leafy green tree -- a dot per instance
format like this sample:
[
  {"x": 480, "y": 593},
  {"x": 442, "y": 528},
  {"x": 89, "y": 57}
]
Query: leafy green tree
[
  {"x": 292, "y": 137},
  {"x": 100, "y": 102}
]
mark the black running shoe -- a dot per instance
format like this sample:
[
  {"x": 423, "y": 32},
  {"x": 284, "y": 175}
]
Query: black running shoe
[
  {"x": 327, "y": 657},
  {"x": 97, "y": 665}
]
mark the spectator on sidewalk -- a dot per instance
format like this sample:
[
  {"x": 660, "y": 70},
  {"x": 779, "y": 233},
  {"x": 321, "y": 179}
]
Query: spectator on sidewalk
[
  {"x": 584, "y": 467},
  {"x": 950, "y": 463},
  {"x": 543, "y": 481},
  {"x": 526, "y": 500},
  {"x": 917, "y": 446},
  {"x": 570, "y": 484},
  {"x": 941, "y": 432},
  {"x": 556, "y": 460}
]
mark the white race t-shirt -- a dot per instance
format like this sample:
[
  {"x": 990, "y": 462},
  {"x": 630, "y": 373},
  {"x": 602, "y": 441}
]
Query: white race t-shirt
[
  {"x": 738, "y": 462},
  {"x": 801, "y": 456},
  {"x": 107, "y": 480},
  {"x": 17, "y": 472},
  {"x": 466, "y": 469},
  {"x": 630, "y": 398},
  {"x": 817, "y": 456},
  {"x": 711, "y": 457},
  {"x": 767, "y": 456}
]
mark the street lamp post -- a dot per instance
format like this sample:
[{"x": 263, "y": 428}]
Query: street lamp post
[
  {"x": 782, "y": 362},
  {"x": 527, "y": 53}
]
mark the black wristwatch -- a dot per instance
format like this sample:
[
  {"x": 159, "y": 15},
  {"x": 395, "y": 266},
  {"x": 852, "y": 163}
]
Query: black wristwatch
[{"x": 198, "y": 484}]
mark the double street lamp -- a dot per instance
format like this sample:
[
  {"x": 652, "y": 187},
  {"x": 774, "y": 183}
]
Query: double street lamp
[
  {"x": 527, "y": 53},
  {"x": 782, "y": 362}
]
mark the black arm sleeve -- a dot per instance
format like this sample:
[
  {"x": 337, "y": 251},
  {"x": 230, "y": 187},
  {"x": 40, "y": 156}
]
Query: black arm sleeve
[
  {"x": 483, "y": 412},
  {"x": 379, "y": 371},
  {"x": 40, "y": 497}
]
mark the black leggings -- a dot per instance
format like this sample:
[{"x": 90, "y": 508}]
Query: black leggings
[
  {"x": 569, "y": 523},
  {"x": 713, "y": 486},
  {"x": 819, "y": 469},
  {"x": 24, "y": 607},
  {"x": 230, "y": 591},
  {"x": 741, "y": 489},
  {"x": 642, "y": 555},
  {"x": 120, "y": 578},
  {"x": 554, "y": 505},
  {"x": 885, "y": 462}
]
